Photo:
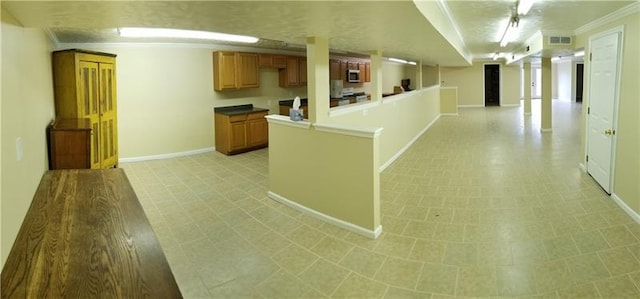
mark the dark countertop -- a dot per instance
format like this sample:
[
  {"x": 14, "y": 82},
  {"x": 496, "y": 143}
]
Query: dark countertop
[{"x": 239, "y": 109}]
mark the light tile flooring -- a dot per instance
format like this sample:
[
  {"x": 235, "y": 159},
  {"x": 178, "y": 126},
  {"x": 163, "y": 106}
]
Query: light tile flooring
[{"x": 482, "y": 205}]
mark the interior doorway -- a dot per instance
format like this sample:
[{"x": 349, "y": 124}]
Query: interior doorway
[
  {"x": 492, "y": 85},
  {"x": 579, "y": 82}
]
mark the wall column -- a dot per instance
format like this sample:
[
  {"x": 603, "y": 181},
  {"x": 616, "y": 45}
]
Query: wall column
[
  {"x": 318, "y": 78},
  {"x": 376, "y": 75},
  {"x": 419, "y": 75},
  {"x": 545, "y": 124},
  {"x": 527, "y": 88}
]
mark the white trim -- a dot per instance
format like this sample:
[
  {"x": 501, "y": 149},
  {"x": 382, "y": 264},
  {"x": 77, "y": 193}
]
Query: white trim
[
  {"x": 634, "y": 215},
  {"x": 340, "y": 110},
  {"x": 406, "y": 147},
  {"x": 546, "y": 130},
  {"x": 527, "y": 113},
  {"x": 53, "y": 37},
  {"x": 582, "y": 167},
  {"x": 509, "y": 105},
  {"x": 449, "y": 87},
  {"x": 284, "y": 120},
  {"x": 372, "y": 234},
  {"x": 444, "y": 8},
  {"x": 449, "y": 114},
  {"x": 618, "y": 14},
  {"x": 470, "y": 106},
  {"x": 358, "y": 131},
  {"x": 166, "y": 156}
]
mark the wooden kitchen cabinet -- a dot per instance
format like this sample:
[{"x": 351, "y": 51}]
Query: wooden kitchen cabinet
[
  {"x": 334, "y": 70},
  {"x": 367, "y": 72},
  {"x": 272, "y": 61},
  {"x": 70, "y": 144},
  {"x": 241, "y": 132},
  {"x": 235, "y": 70},
  {"x": 85, "y": 87},
  {"x": 295, "y": 72}
]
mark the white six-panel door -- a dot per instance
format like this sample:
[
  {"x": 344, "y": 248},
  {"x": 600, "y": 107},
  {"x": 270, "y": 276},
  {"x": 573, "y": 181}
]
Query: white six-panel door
[{"x": 603, "y": 82}]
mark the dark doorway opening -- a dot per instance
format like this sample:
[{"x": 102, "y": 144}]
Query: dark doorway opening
[
  {"x": 579, "y": 77},
  {"x": 492, "y": 85}
]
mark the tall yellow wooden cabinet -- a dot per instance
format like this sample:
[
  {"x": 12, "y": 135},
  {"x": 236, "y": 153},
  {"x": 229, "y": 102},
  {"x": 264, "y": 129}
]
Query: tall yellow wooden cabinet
[{"x": 85, "y": 87}]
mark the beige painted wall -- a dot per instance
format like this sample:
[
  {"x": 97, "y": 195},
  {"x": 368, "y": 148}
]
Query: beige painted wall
[
  {"x": 313, "y": 169},
  {"x": 430, "y": 75},
  {"x": 27, "y": 109},
  {"x": 627, "y": 165},
  {"x": 470, "y": 83},
  {"x": 402, "y": 116},
  {"x": 392, "y": 73},
  {"x": 449, "y": 100},
  {"x": 169, "y": 89}
]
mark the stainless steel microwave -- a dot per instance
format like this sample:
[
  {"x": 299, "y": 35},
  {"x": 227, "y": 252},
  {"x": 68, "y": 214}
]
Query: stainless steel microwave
[{"x": 353, "y": 75}]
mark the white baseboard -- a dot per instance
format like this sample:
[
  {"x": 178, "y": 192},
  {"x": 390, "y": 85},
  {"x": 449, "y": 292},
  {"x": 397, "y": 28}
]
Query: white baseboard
[
  {"x": 372, "y": 234},
  {"x": 406, "y": 147},
  {"x": 509, "y": 105},
  {"x": 582, "y": 167},
  {"x": 166, "y": 156},
  {"x": 634, "y": 215},
  {"x": 470, "y": 106},
  {"x": 449, "y": 114},
  {"x": 545, "y": 130}
]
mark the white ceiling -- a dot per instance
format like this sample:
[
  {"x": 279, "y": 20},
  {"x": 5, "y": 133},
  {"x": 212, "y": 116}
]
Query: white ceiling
[{"x": 396, "y": 28}]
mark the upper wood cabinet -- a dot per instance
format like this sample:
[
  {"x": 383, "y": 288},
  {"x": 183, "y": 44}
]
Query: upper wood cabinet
[
  {"x": 235, "y": 70},
  {"x": 367, "y": 72},
  {"x": 295, "y": 72},
  {"x": 85, "y": 87},
  {"x": 334, "y": 70},
  {"x": 273, "y": 61},
  {"x": 338, "y": 69}
]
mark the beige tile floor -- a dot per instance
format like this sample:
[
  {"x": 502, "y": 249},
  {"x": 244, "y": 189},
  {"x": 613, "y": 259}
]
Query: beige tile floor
[{"x": 482, "y": 205}]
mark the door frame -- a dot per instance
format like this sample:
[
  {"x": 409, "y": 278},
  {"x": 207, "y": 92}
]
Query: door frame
[
  {"x": 484, "y": 100},
  {"x": 614, "y": 122}
]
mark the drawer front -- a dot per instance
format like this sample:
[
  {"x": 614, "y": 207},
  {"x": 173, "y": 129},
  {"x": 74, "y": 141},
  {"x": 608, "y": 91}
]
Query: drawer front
[
  {"x": 236, "y": 118},
  {"x": 257, "y": 115}
]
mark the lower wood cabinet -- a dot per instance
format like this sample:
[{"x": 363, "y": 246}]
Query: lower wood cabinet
[
  {"x": 239, "y": 133},
  {"x": 70, "y": 144}
]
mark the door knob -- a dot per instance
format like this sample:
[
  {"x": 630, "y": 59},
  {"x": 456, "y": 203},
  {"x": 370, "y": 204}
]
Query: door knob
[{"x": 608, "y": 132}]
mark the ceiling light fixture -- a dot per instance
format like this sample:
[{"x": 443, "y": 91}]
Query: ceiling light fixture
[
  {"x": 524, "y": 6},
  {"x": 579, "y": 53},
  {"x": 397, "y": 60},
  {"x": 411, "y": 62},
  {"x": 496, "y": 55},
  {"x": 179, "y": 33},
  {"x": 510, "y": 33}
]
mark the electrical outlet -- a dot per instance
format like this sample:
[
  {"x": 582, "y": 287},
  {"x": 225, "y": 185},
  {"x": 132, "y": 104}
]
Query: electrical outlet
[{"x": 19, "y": 153}]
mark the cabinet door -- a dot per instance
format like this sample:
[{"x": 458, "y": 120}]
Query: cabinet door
[
  {"x": 237, "y": 136},
  {"x": 292, "y": 71},
  {"x": 265, "y": 60},
  {"x": 367, "y": 72},
  {"x": 344, "y": 66},
  {"x": 257, "y": 132},
  {"x": 352, "y": 65},
  {"x": 224, "y": 66},
  {"x": 334, "y": 70},
  {"x": 89, "y": 106},
  {"x": 108, "y": 129},
  {"x": 279, "y": 61},
  {"x": 302, "y": 71},
  {"x": 247, "y": 70}
]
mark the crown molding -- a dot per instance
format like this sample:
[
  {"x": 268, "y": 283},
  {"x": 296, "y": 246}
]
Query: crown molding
[
  {"x": 618, "y": 14},
  {"x": 444, "y": 8},
  {"x": 53, "y": 37}
]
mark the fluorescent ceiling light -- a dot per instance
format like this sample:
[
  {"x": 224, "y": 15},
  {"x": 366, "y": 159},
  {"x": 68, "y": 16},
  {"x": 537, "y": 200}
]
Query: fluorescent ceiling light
[
  {"x": 179, "y": 33},
  {"x": 579, "y": 53},
  {"x": 411, "y": 62},
  {"x": 524, "y": 6},
  {"x": 509, "y": 34},
  {"x": 397, "y": 60},
  {"x": 496, "y": 55}
]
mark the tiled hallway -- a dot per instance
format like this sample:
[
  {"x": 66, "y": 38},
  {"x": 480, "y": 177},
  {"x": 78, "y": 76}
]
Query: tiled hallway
[{"x": 482, "y": 205}]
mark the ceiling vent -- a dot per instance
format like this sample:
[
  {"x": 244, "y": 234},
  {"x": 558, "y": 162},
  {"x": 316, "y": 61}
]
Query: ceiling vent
[{"x": 559, "y": 40}]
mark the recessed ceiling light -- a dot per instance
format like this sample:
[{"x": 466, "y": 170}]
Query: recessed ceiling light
[
  {"x": 579, "y": 53},
  {"x": 179, "y": 33}
]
